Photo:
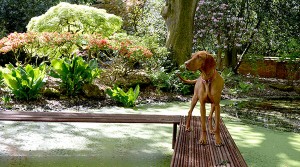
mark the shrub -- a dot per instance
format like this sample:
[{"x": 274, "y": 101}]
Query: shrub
[
  {"x": 54, "y": 45},
  {"x": 66, "y": 17},
  {"x": 128, "y": 99},
  {"x": 25, "y": 83},
  {"x": 170, "y": 82},
  {"x": 74, "y": 73}
]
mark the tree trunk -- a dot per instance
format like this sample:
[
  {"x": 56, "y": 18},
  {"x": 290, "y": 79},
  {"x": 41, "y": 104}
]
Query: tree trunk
[
  {"x": 231, "y": 59},
  {"x": 179, "y": 18},
  {"x": 219, "y": 55}
]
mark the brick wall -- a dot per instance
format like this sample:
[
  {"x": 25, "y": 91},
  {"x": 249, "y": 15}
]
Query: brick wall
[{"x": 269, "y": 68}]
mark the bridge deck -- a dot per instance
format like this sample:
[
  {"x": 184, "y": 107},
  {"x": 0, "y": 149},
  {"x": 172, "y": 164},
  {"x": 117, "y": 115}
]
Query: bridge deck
[{"x": 189, "y": 153}]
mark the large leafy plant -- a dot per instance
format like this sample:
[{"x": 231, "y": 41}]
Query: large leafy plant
[
  {"x": 74, "y": 73},
  {"x": 25, "y": 83},
  {"x": 128, "y": 99}
]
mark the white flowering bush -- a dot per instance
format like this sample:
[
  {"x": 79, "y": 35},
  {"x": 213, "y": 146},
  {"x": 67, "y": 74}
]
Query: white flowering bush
[{"x": 66, "y": 17}]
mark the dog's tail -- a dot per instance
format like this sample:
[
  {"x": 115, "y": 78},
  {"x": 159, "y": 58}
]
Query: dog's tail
[{"x": 186, "y": 80}]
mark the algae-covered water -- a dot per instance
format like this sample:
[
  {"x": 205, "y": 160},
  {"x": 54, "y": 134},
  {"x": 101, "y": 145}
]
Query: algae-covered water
[{"x": 32, "y": 144}]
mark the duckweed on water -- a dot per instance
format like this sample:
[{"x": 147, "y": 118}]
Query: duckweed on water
[{"x": 283, "y": 115}]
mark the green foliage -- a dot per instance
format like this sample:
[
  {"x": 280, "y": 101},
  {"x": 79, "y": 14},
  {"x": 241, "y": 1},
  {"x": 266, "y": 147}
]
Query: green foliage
[
  {"x": 1, "y": 78},
  {"x": 161, "y": 80},
  {"x": 74, "y": 73},
  {"x": 55, "y": 45},
  {"x": 141, "y": 17},
  {"x": 228, "y": 75},
  {"x": 128, "y": 99},
  {"x": 151, "y": 22},
  {"x": 244, "y": 87},
  {"x": 66, "y": 17},
  {"x": 182, "y": 87},
  {"x": 6, "y": 99},
  {"x": 170, "y": 82},
  {"x": 25, "y": 83}
]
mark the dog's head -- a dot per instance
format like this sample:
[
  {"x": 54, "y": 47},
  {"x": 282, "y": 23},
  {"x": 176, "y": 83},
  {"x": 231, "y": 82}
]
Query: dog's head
[{"x": 202, "y": 61}]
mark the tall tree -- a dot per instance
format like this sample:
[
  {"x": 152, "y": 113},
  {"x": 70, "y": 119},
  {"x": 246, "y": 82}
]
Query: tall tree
[{"x": 179, "y": 18}]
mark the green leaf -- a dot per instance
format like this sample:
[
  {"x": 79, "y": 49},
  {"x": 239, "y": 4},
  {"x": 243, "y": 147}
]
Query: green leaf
[
  {"x": 25, "y": 83},
  {"x": 126, "y": 98}
]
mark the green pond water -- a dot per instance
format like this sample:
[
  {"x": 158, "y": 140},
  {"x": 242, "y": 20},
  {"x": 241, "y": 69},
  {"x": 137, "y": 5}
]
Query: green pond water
[{"x": 30, "y": 144}]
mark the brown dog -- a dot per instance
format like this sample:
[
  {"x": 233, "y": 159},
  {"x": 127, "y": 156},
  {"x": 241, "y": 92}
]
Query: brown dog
[{"x": 208, "y": 89}]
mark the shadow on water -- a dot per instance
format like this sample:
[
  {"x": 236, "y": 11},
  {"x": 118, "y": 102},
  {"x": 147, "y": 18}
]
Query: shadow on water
[{"x": 283, "y": 115}]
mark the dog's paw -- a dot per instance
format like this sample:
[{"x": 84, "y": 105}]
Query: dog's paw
[
  {"x": 219, "y": 144},
  {"x": 218, "y": 140},
  {"x": 202, "y": 141},
  {"x": 188, "y": 129},
  {"x": 203, "y": 138}
]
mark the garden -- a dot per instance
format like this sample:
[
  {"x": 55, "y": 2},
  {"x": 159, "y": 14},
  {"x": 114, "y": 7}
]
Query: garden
[{"x": 89, "y": 56}]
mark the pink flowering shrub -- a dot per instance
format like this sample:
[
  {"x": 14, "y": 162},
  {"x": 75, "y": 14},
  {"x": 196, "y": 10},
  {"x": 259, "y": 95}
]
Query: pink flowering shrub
[
  {"x": 54, "y": 45},
  {"x": 218, "y": 25}
]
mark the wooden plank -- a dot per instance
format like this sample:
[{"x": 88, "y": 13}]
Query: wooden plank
[
  {"x": 197, "y": 155},
  {"x": 88, "y": 117}
]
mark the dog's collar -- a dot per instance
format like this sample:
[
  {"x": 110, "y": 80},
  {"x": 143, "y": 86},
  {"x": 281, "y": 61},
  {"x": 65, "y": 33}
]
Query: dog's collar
[{"x": 209, "y": 80}]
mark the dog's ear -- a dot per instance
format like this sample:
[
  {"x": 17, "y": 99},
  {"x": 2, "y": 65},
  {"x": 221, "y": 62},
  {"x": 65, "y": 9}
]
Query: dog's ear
[{"x": 210, "y": 63}]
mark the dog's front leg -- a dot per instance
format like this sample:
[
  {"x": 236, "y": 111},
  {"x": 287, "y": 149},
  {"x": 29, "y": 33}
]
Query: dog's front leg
[
  {"x": 188, "y": 121},
  {"x": 217, "y": 125},
  {"x": 203, "y": 125},
  {"x": 212, "y": 109}
]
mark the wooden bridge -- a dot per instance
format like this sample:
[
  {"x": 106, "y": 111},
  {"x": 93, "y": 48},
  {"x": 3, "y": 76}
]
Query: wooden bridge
[{"x": 187, "y": 152}]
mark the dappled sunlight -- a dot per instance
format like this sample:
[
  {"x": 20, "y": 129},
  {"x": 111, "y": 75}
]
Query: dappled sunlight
[
  {"x": 285, "y": 160},
  {"x": 245, "y": 135},
  {"x": 263, "y": 147},
  {"x": 84, "y": 138},
  {"x": 294, "y": 141}
]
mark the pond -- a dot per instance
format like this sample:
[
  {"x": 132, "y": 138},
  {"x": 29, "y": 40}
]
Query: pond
[{"x": 92, "y": 144}]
